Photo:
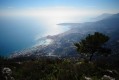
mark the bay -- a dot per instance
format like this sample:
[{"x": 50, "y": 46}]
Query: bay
[{"x": 20, "y": 33}]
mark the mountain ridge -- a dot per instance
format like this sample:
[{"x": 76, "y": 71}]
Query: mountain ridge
[{"x": 63, "y": 43}]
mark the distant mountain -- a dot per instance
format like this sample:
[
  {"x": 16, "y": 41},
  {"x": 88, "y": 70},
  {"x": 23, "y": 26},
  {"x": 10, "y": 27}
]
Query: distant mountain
[
  {"x": 101, "y": 17},
  {"x": 62, "y": 44}
]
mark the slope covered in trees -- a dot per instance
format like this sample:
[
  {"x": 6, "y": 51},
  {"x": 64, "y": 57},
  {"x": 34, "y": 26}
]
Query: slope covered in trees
[{"x": 58, "y": 69}]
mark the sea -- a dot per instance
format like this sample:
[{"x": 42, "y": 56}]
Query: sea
[{"x": 22, "y": 33}]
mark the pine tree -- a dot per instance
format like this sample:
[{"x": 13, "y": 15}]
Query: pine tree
[{"x": 93, "y": 44}]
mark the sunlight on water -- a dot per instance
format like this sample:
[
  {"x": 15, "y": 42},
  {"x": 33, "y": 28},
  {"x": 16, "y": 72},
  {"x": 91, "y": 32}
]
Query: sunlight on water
[
  {"x": 43, "y": 42},
  {"x": 28, "y": 26}
]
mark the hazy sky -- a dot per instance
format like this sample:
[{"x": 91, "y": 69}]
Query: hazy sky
[
  {"x": 98, "y": 4},
  {"x": 53, "y": 12},
  {"x": 109, "y": 6}
]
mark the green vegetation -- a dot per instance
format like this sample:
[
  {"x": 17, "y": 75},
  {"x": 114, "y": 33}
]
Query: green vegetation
[
  {"x": 61, "y": 69},
  {"x": 45, "y": 68},
  {"x": 93, "y": 44}
]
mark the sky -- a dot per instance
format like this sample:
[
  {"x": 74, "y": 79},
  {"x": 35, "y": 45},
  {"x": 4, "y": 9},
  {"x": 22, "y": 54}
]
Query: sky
[
  {"x": 54, "y": 12},
  {"x": 27, "y": 7},
  {"x": 76, "y": 3},
  {"x": 98, "y": 4}
]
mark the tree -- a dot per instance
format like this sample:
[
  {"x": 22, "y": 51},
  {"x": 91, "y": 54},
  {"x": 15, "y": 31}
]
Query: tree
[{"x": 93, "y": 44}]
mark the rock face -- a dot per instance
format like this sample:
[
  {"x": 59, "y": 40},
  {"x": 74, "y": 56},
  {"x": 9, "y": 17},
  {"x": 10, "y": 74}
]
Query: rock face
[
  {"x": 7, "y": 72},
  {"x": 105, "y": 77},
  {"x": 63, "y": 44}
]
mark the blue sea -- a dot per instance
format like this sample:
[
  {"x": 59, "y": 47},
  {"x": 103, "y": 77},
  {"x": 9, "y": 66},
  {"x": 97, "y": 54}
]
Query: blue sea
[{"x": 20, "y": 33}]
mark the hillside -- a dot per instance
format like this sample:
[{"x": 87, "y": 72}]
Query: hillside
[{"x": 63, "y": 44}]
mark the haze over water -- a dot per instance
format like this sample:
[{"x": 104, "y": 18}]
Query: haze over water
[{"x": 20, "y": 33}]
